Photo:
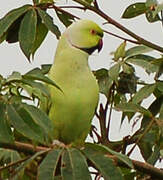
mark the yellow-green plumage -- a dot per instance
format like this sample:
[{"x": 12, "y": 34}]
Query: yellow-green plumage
[{"x": 73, "y": 108}]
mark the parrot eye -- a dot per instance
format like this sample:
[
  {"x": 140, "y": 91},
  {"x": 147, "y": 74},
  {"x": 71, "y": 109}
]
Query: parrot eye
[{"x": 93, "y": 31}]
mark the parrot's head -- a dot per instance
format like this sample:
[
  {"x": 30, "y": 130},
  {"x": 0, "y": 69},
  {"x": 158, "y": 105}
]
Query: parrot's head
[{"x": 85, "y": 35}]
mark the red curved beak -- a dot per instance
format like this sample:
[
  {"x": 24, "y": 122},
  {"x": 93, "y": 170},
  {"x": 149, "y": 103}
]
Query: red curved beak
[{"x": 100, "y": 45}]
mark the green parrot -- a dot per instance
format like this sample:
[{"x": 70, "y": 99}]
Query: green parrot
[{"x": 73, "y": 107}]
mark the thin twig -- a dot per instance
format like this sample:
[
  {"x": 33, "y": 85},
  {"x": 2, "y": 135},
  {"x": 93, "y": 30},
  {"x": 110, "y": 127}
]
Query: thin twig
[
  {"x": 97, "y": 115},
  {"x": 98, "y": 177},
  {"x": 97, "y": 135},
  {"x": 24, "y": 147},
  {"x": 106, "y": 106},
  {"x": 120, "y": 37},
  {"x": 148, "y": 169},
  {"x": 13, "y": 163},
  {"x": 102, "y": 121},
  {"x": 96, "y": 4},
  {"x": 61, "y": 10},
  {"x": 72, "y": 7},
  {"x": 141, "y": 136},
  {"x": 110, "y": 114}
]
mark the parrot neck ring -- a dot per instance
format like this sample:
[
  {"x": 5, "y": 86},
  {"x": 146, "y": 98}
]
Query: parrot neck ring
[{"x": 90, "y": 50}]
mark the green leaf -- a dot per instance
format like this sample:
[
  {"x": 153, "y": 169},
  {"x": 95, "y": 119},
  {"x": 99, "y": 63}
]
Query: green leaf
[
  {"x": 49, "y": 164},
  {"x": 143, "y": 93},
  {"x": 39, "y": 117},
  {"x": 157, "y": 93},
  {"x": 119, "y": 98},
  {"x": 120, "y": 51},
  {"x": 127, "y": 68},
  {"x": 103, "y": 163},
  {"x": 128, "y": 174},
  {"x": 45, "y": 68},
  {"x": 161, "y": 114},
  {"x": 36, "y": 74},
  {"x": 152, "y": 16},
  {"x": 154, "y": 108},
  {"x": 158, "y": 63},
  {"x": 88, "y": 1},
  {"x": 74, "y": 165},
  {"x": 8, "y": 156},
  {"x": 22, "y": 120},
  {"x": 41, "y": 32},
  {"x": 150, "y": 3},
  {"x": 33, "y": 87},
  {"x": 160, "y": 86},
  {"x": 143, "y": 61},
  {"x": 120, "y": 156},
  {"x": 114, "y": 71},
  {"x": 148, "y": 143},
  {"x": 161, "y": 153},
  {"x": 46, "y": 1},
  {"x": 36, "y": 1},
  {"x": 127, "y": 83},
  {"x": 158, "y": 8},
  {"x": 10, "y": 17},
  {"x": 15, "y": 76},
  {"x": 27, "y": 162},
  {"x": 3, "y": 37},
  {"x": 132, "y": 107},
  {"x": 13, "y": 30},
  {"x": 66, "y": 166},
  {"x": 153, "y": 10},
  {"x": 66, "y": 19},
  {"x": 5, "y": 130},
  {"x": 27, "y": 32},
  {"x": 154, "y": 156},
  {"x": 137, "y": 50},
  {"x": 33, "y": 92},
  {"x": 134, "y": 10},
  {"x": 104, "y": 81},
  {"x": 161, "y": 121},
  {"x": 48, "y": 21}
]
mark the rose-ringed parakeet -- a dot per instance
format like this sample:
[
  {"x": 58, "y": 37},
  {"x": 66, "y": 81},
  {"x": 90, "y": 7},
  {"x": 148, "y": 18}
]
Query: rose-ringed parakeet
[{"x": 73, "y": 106}]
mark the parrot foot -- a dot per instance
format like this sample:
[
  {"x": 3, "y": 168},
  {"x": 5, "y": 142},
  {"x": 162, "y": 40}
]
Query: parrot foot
[{"x": 58, "y": 143}]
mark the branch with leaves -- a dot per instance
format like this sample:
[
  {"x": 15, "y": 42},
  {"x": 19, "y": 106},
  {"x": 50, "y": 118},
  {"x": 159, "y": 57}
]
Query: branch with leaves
[{"x": 42, "y": 150}]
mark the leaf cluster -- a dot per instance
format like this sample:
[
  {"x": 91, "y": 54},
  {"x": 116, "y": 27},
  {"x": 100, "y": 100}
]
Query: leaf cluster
[
  {"x": 29, "y": 26},
  {"x": 151, "y": 10},
  {"x": 19, "y": 118},
  {"x": 125, "y": 92}
]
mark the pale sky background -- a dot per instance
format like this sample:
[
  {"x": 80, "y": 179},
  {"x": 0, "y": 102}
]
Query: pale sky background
[{"x": 12, "y": 58}]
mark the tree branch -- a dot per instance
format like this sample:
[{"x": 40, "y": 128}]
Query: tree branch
[
  {"x": 119, "y": 26},
  {"x": 142, "y": 135},
  {"x": 102, "y": 121},
  {"x": 72, "y": 7},
  {"x": 24, "y": 147},
  {"x": 120, "y": 37},
  {"x": 31, "y": 149},
  {"x": 148, "y": 169},
  {"x": 13, "y": 163},
  {"x": 61, "y": 10}
]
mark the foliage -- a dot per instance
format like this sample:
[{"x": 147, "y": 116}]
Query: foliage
[{"x": 25, "y": 129}]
